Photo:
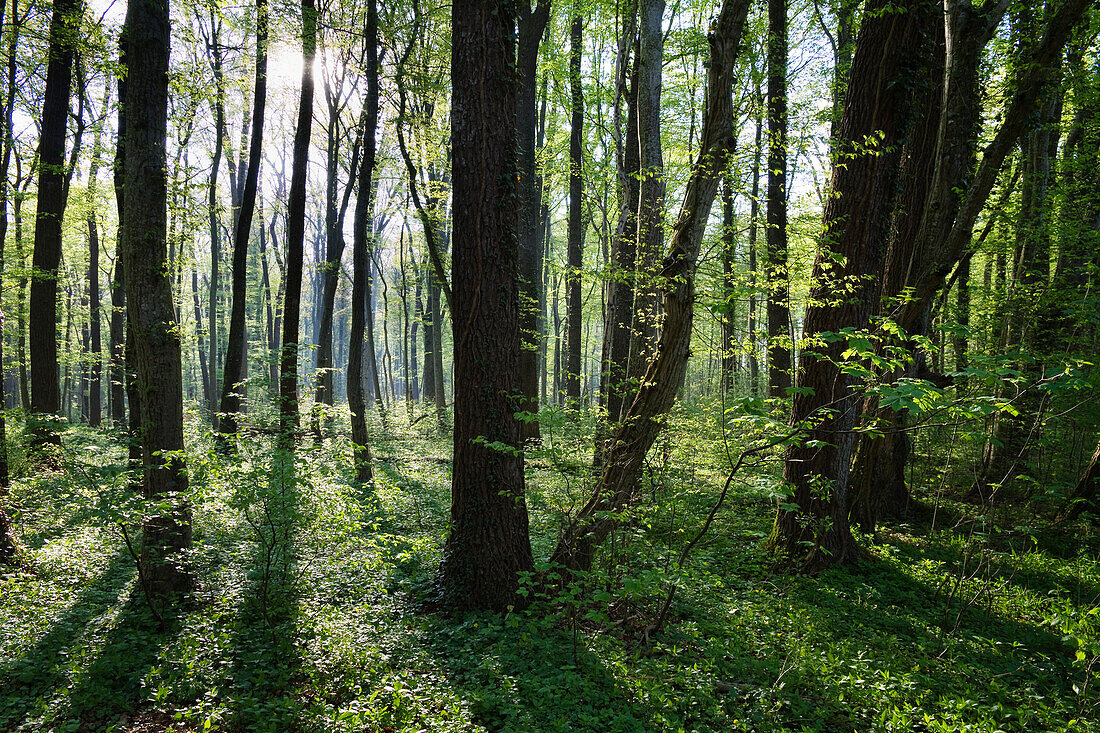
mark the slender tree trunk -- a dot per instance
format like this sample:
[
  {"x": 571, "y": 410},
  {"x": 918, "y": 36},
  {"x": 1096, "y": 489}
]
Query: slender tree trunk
[
  {"x": 576, "y": 223},
  {"x": 148, "y": 290},
  {"x": 729, "y": 285},
  {"x": 779, "y": 314},
  {"x": 236, "y": 348},
  {"x": 211, "y": 388},
  {"x": 754, "y": 226},
  {"x": 364, "y": 204},
  {"x": 295, "y": 235},
  {"x": 532, "y": 27},
  {"x": 624, "y": 457},
  {"x": 8, "y": 547},
  {"x": 45, "y": 397},
  {"x": 651, "y": 212}
]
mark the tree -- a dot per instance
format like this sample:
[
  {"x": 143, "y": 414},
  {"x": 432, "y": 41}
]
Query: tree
[
  {"x": 360, "y": 253},
  {"x": 812, "y": 529},
  {"x": 236, "y": 348},
  {"x": 150, "y": 311},
  {"x": 624, "y": 457},
  {"x": 488, "y": 544},
  {"x": 576, "y": 223},
  {"x": 295, "y": 233},
  {"x": 775, "y": 235},
  {"x": 531, "y": 28},
  {"x": 45, "y": 394}
]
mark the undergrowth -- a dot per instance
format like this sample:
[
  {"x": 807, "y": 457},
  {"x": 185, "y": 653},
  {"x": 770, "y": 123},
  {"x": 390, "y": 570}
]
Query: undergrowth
[{"x": 312, "y": 610}]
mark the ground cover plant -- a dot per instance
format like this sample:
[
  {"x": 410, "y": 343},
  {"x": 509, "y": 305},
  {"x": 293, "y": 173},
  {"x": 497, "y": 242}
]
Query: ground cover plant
[{"x": 314, "y": 608}]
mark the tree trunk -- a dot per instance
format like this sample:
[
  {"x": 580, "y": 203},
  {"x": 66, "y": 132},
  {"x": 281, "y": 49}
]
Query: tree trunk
[
  {"x": 364, "y": 204},
  {"x": 488, "y": 543},
  {"x": 625, "y": 454},
  {"x": 775, "y": 234},
  {"x": 8, "y": 546},
  {"x": 149, "y": 294},
  {"x": 532, "y": 27},
  {"x": 236, "y": 348},
  {"x": 575, "y": 246},
  {"x": 211, "y": 388},
  {"x": 295, "y": 235},
  {"x": 812, "y": 528},
  {"x": 754, "y": 226},
  {"x": 45, "y": 397}
]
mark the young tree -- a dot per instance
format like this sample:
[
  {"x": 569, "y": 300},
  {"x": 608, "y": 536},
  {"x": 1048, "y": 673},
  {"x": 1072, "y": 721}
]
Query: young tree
[
  {"x": 236, "y": 348},
  {"x": 150, "y": 311},
  {"x": 775, "y": 236},
  {"x": 488, "y": 543},
  {"x": 361, "y": 255},
  {"x": 624, "y": 457},
  {"x": 295, "y": 234}
]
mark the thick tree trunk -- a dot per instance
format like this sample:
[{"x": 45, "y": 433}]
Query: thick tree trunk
[
  {"x": 488, "y": 543},
  {"x": 812, "y": 528},
  {"x": 236, "y": 347},
  {"x": 45, "y": 395},
  {"x": 295, "y": 235},
  {"x": 149, "y": 294},
  {"x": 625, "y": 454}
]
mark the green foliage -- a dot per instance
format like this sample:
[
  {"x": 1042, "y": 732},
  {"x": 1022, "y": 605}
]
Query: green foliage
[{"x": 314, "y": 607}]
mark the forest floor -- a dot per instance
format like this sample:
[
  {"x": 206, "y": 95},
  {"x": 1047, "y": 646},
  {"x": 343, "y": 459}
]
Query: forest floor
[{"x": 312, "y": 611}]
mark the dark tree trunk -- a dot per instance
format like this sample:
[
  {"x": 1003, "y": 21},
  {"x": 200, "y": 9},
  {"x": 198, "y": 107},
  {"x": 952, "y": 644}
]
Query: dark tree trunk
[
  {"x": 624, "y": 456},
  {"x": 236, "y": 348},
  {"x": 361, "y": 255},
  {"x": 488, "y": 543},
  {"x": 754, "y": 226},
  {"x": 532, "y": 27},
  {"x": 295, "y": 235},
  {"x": 857, "y": 221},
  {"x": 45, "y": 397},
  {"x": 149, "y": 294},
  {"x": 576, "y": 223},
  {"x": 775, "y": 234},
  {"x": 210, "y": 389}
]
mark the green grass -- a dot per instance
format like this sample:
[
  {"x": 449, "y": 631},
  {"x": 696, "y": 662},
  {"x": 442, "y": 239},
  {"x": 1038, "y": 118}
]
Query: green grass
[{"x": 313, "y": 611}]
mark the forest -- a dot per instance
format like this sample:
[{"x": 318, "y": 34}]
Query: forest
[{"x": 618, "y": 365}]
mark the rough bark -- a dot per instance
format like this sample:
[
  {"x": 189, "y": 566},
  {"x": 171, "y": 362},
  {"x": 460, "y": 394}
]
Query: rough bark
[
  {"x": 575, "y": 246},
  {"x": 156, "y": 335},
  {"x": 812, "y": 528},
  {"x": 45, "y": 395},
  {"x": 488, "y": 543}
]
